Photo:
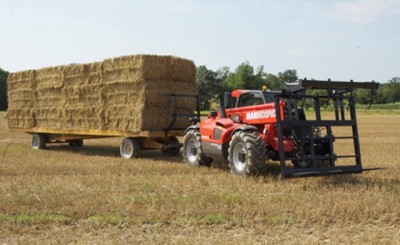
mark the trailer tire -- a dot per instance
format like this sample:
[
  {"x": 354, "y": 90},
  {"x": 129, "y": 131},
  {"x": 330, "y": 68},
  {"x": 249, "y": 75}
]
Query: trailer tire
[
  {"x": 130, "y": 148},
  {"x": 173, "y": 151},
  {"x": 39, "y": 141},
  {"x": 192, "y": 151},
  {"x": 76, "y": 143},
  {"x": 247, "y": 154}
]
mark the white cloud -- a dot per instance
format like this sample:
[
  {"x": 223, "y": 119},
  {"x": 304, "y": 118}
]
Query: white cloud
[{"x": 366, "y": 11}]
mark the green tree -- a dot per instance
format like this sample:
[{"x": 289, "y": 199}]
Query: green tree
[
  {"x": 241, "y": 77},
  {"x": 210, "y": 85},
  {"x": 393, "y": 90},
  {"x": 214, "y": 83},
  {"x": 288, "y": 76},
  {"x": 363, "y": 96},
  {"x": 245, "y": 77},
  {"x": 274, "y": 82},
  {"x": 3, "y": 90},
  {"x": 222, "y": 74},
  {"x": 260, "y": 78},
  {"x": 389, "y": 92}
]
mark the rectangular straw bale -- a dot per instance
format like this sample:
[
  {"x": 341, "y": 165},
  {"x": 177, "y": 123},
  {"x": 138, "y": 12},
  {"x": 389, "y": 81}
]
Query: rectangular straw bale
[
  {"x": 21, "y": 80},
  {"x": 118, "y": 94},
  {"x": 21, "y": 118},
  {"x": 20, "y": 99},
  {"x": 51, "y": 77}
]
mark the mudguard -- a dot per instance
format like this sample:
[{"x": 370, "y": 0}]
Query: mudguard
[
  {"x": 193, "y": 127},
  {"x": 244, "y": 128}
]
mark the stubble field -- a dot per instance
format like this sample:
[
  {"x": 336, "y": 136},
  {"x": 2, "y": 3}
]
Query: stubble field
[{"x": 93, "y": 196}]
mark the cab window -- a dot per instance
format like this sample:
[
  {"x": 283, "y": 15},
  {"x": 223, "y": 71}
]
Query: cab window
[{"x": 249, "y": 99}]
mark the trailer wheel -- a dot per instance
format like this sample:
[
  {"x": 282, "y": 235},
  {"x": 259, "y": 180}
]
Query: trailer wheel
[
  {"x": 75, "y": 143},
  {"x": 192, "y": 151},
  {"x": 39, "y": 141},
  {"x": 175, "y": 148},
  {"x": 129, "y": 148},
  {"x": 247, "y": 153}
]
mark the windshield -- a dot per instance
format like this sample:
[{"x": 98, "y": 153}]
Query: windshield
[{"x": 269, "y": 97}]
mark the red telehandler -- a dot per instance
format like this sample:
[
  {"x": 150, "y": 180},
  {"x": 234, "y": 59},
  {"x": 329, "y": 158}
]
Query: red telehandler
[{"x": 253, "y": 126}]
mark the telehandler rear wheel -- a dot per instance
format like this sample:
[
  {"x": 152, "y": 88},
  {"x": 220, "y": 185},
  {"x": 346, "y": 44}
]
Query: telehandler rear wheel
[
  {"x": 247, "y": 153},
  {"x": 129, "y": 148},
  {"x": 192, "y": 151}
]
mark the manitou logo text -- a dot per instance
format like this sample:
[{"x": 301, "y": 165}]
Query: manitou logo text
[{"x": 260, "y": 114}]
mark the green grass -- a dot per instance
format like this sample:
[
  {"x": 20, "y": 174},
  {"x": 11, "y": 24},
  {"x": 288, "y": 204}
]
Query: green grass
[{"x": 214, "y": 219}]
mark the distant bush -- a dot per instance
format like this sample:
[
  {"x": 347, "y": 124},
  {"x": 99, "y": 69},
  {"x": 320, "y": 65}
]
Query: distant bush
[{"x": 3, "y": 90}]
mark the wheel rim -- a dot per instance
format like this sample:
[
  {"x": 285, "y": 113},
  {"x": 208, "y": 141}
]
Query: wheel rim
[
  {"x": 191, "y": 150},
  {"x": 303, "y": 163},
  {"x": 239, "y": 157},
  {"x": 35, "y": 142},
  {"x": 127, "y": 150}
]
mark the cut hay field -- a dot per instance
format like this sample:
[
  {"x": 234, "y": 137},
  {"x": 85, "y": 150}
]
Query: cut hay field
[{"x": 91, "y": 195}]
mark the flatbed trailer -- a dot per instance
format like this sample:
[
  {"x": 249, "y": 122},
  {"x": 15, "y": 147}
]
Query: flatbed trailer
[
  {"x": 146, "y": 99},
  {"x": 133, "y": 143}
]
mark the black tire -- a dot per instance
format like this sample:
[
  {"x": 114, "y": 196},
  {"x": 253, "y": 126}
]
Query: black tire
[
  {"x": 192, "y": 151},
  {"x": 247, "y": 153},
  {"x": 129, "y": 148},
  {"x": 76, "y": 143},
  {"x": 301, "y": 163},
  {"x": 39, "y": 141},
  {"x": 309, "y": 164},
  {"x": 173, "y": 151},
  {"x": 303, "y": 151}
]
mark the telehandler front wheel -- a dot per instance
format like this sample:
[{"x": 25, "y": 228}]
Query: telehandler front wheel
[
  {"x": 192, "y": 151},
  {"x": 247, "y": 153},
  {"x": 129, "y": 148}
]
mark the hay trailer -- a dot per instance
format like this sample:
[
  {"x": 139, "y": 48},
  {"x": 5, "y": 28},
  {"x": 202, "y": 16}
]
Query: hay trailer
[{"x": 146, "y": 99}]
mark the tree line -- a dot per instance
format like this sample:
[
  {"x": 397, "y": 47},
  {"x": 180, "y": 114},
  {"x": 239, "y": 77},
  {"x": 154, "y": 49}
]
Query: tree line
[
  {"x": 3, "y": 90},
  {"x": 213, "y": 83}
]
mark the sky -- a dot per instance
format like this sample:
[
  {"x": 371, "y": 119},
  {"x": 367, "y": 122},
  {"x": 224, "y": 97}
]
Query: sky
[{"x": 340, "y": 40}]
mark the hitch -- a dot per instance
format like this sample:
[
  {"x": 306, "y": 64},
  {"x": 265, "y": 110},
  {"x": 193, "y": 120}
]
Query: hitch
[{"x": 193, "y": 119}]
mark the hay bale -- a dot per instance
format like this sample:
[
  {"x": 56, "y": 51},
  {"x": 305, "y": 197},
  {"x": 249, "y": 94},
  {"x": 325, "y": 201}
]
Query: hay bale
[{"x": 121, "y": 94}]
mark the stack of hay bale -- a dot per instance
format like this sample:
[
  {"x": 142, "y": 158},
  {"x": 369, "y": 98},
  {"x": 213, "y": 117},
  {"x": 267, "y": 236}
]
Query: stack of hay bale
[{"x": 119, "y": 94}]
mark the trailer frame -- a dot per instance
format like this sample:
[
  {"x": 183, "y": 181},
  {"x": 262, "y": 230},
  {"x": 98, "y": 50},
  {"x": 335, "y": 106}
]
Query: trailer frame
[{"x": 164, "y": 139}]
